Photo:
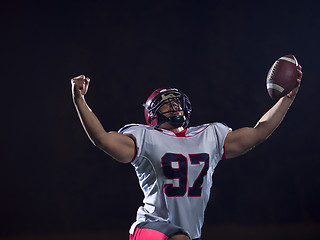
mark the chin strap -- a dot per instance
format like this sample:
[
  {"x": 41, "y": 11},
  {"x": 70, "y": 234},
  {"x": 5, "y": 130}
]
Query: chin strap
[{"x": 176, "y": 121}]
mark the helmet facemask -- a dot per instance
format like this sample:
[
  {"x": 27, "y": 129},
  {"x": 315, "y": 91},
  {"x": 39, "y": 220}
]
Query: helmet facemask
[
  {"x": 175, "y": 106},
  {"x": 179, "y": 102}
]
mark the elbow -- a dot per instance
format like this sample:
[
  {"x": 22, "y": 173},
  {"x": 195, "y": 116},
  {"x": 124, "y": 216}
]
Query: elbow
[
  {"x": 96, "y": 143},
  {"x": 263, "y": 131},
  {"x": 97, "y": 140}
]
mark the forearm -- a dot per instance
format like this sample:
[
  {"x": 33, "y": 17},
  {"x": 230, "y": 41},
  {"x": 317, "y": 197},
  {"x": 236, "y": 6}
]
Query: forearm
[
  {"x": 242, "y": 140},
  {"x": 119, "y": 146},
  {"x": 89, "y": 121},
  {"x": 272, "y": 118}
]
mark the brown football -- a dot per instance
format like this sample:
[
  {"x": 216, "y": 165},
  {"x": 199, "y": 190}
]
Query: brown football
[{"x": 282, "y": 77}]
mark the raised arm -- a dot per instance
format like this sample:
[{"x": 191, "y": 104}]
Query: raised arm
[
  {"x": 119, "y": 146},
  {"x": 242, "y": 140}
]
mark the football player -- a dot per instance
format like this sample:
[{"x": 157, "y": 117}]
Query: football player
[{"x": 174, "y": 163}]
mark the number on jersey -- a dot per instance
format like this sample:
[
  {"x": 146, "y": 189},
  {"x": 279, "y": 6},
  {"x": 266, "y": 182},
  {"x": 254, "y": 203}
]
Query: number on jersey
[{"x": 175, "y": 166}]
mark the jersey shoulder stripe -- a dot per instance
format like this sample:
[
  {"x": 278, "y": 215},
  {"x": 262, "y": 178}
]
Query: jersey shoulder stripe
[{"x": 132, "y": 125}]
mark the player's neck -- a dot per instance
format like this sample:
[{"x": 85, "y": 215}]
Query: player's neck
[{"x": 171, "y": 128}]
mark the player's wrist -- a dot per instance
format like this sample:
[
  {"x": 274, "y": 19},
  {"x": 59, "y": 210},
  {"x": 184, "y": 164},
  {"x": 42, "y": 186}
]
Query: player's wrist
[
  {"x": 78, "y": 99},
  {"x": 286, "y": 101}
]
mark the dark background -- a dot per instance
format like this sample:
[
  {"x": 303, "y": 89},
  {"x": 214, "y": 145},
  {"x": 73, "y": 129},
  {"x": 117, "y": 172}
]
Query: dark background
[{"x": 54, "y": 181}]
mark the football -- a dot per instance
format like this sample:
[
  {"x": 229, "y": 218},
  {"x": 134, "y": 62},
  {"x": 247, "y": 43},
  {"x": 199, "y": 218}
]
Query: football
[{"x": 282, "y": 77}]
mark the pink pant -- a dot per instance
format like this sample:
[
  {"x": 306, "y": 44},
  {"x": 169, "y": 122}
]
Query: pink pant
[{"x": 147, "y": 234}]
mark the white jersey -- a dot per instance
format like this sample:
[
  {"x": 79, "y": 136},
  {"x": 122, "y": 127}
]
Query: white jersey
[{"x": 175, "y": 172}]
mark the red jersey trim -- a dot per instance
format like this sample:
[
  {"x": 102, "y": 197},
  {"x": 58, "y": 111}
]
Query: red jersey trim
[
  {"x": 181, "y": 134},
  {"x": 135, "y": 153},
  {"x": 224, "y": 152}
]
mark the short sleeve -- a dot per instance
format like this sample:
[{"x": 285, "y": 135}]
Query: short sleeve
[
  {"x": 136, "y": 131},
  {"x": 221, "y": 131}
]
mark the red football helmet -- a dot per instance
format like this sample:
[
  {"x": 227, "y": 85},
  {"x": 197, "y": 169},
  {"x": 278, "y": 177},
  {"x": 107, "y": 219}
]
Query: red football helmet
[{"x": 161, "y": 96}]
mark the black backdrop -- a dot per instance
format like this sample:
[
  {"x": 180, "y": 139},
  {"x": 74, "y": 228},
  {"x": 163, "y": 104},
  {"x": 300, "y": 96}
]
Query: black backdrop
[{"x": 53, "y": 180}]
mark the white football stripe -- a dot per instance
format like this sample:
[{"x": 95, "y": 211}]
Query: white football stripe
[
  {"x": 288, "y": 59},
  {"x": 275, "y": 86}
]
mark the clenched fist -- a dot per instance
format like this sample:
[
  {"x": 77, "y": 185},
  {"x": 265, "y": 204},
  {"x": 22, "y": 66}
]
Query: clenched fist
[{"x": 79, "y": 86}]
